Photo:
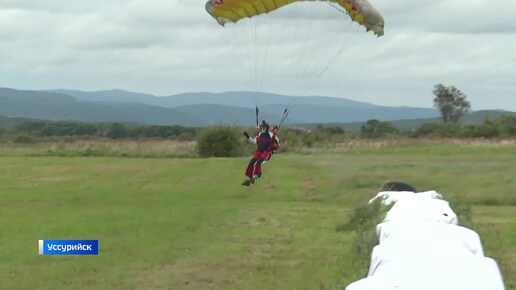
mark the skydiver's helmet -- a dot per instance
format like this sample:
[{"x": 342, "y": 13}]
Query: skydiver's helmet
[{"x": 265, "y": 125}]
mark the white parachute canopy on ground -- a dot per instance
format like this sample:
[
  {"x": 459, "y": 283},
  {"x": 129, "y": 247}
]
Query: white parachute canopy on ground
[{"x": 422, "y": 247}]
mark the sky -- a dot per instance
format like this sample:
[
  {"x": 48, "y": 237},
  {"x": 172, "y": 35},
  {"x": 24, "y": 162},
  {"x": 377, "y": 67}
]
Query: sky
[{"x": 166, "y": 47}]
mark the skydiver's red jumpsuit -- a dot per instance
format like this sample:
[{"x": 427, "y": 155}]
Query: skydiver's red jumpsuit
[{"x": 266, "y": 146}]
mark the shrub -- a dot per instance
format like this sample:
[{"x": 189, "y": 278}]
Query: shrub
[
  {"x": 487, "y": 129},
  {"x": 219, "y": 141},
  {"x": 463, "y": 211},
  {"x": 365, "y": 217},
  {"x": 186, "y": 136},
  {"x": 23, "y": 139},
  {"x": 374, "y": 129},
  {"x": 506, "y": 125},
  {"x": 363, "y": 222},
  {"x": 425, "y": 130},
  {"x": 116, "y": 131},
  {"x": 438, "y": 130},
  {"x": 313, "y": 138}
]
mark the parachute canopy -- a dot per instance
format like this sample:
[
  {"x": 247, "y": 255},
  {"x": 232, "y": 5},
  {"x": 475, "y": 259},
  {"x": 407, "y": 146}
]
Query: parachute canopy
[{"x": 225, "y": 11}]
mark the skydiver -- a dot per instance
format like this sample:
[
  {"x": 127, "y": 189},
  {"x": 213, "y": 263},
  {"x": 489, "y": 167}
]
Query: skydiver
[{"x": 268, "y": 143}]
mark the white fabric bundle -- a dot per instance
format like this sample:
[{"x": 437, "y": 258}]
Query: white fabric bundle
[
  {"x": 422, "y": 248},
  {"x": 394, "y": 196},
  {"x": 428, "y": 234},
  {"x": 422, "y": 209},
  {"x": 428, "y": 272}
]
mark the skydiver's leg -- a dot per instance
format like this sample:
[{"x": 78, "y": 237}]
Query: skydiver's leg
[
  {"x": 249, "y": 173},
  {"x": 258, "y": 168},
  {"x": 250, "y": 168},
  {"x": 268, "y": 156},
  {"x": 262, "y": 158}
]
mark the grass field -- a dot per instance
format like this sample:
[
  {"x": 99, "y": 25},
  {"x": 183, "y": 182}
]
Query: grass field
[{"x": 187, "y": 223}]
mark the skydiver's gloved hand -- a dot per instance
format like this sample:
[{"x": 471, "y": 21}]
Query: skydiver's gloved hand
[{"x": 246, "y": 135}]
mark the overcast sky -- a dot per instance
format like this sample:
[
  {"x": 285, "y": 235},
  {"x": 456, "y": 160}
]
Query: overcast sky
[{"x": 164, "y": 47}]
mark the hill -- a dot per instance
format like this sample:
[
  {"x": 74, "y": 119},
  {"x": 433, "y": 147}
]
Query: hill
[
  {"x": 193, "y": 109},
  {"x": 234, "y": 99},
  {"x": 56, "y": 106}
]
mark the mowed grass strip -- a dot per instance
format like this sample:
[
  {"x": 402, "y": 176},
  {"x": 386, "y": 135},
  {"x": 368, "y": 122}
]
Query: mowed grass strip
[{"x": 189, "y": 224}]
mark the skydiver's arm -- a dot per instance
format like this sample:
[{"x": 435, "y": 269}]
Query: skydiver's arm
[
  {"x": 275, "y": 138},
  {"x": 275, "y": 129},
  {"x": 249, "y": 138}
]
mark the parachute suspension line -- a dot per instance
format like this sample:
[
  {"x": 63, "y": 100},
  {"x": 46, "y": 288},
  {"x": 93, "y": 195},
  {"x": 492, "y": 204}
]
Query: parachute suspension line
[
  {"x": 267, "y": 43},
  {"x": 340, "y": 43},
  {"x": 307, "y": 52},
  {"x": 284, "y": 117},
  {"x": 332, "y": 60},
  {"x": 255, "y": 44},
  {"x": 318, "y": 66},
  {"x": 257, "y": 116},
  {"x": 241, "y": 43},
  {"x": 244, "y": 42},
  {"x": 337, "y": 8},
  {"x": 246, "y": 34},
  {"x": 311, "y": 64},
  {"x": 296, "y": 15},
  {"x": 250, "y": 32},
  {"x": 260, "y": 41}
]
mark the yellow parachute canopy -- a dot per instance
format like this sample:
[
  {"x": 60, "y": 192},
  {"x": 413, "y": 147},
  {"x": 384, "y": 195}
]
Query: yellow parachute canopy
[{"x": 225, "y": 11}]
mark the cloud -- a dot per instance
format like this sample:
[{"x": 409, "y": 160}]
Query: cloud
[
  {"x": 458, "y": 16},
  {"x": 166, "y": 47}
]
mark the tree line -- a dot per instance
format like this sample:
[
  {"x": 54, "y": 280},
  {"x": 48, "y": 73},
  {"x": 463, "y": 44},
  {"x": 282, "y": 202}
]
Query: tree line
[
  {"x": 109, "y": 130},
  {"x": 499, "y": 127}
]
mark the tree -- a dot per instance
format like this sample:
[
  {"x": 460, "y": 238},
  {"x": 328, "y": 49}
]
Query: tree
[
  {"x": 374, "y": 128},
  {"x": 451, "y": 102},
  {"x": 332, "y": 130},
  {"x": 116, "y": 131}
]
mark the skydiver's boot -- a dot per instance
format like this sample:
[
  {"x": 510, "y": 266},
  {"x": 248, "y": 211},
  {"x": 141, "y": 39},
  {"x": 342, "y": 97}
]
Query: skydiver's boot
[{"x": 255, "y": 177}]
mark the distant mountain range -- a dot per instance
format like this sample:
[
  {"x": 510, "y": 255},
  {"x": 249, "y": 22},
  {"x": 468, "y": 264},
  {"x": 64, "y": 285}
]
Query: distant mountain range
[{"x": 194, "y": 109}]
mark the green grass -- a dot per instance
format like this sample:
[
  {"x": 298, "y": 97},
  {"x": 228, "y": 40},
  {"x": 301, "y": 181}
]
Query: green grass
[{"x": 189, "y": 224}]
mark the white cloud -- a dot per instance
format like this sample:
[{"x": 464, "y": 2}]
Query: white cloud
[{"x": 165, "y": 47}]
